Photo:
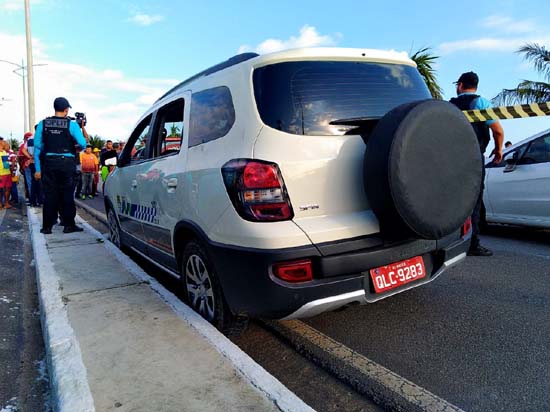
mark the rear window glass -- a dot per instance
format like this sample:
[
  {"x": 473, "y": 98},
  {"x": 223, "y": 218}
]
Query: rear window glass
[{"x": 304, "y": 97}]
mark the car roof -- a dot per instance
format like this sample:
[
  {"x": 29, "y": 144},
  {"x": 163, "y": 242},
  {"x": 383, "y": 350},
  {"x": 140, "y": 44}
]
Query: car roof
[
  {"x": 535, "y": 136},
  {"x": 300, "y": 54}
]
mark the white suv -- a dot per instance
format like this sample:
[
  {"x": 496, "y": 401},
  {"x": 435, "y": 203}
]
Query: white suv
[{"x": 253, "y": 183}]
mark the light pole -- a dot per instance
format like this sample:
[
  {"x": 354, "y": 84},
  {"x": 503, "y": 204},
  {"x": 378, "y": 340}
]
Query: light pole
[
  {"x": 30, "y": 74},
  {"x": 22, "y": 67}
]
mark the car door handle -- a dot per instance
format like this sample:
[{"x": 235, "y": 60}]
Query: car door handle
[
  {"x": 134, "y": 184},
  {"x": 172, "y": 183}
]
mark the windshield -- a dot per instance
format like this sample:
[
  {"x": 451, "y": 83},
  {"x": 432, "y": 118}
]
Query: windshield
[{"x": 304, "y": 97}]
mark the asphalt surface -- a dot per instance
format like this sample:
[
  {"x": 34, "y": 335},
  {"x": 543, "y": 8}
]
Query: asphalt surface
[
  {"x": 477, "y": 337},
  {"x": 23, "y": 371}
]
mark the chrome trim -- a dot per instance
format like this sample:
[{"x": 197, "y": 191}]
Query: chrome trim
[
  {"x": 326, "y": 304},
  {"x": 454, "y": 261},
  {"x": 164, "y": 268}
]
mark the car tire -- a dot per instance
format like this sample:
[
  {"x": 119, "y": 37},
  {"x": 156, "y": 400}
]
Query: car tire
[
  {"x": 422, "y": 170},
  {"x": 114, "y": 228},
  {"x": 203, "y": 292}
]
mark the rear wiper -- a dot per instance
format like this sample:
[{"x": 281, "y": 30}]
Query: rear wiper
[{"x": 355, "y": 121}]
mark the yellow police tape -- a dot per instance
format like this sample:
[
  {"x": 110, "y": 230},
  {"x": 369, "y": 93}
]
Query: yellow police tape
[{"x": 508, "y": 112}]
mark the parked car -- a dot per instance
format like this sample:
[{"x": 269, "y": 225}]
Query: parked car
[
  {"x": 517, "y": 191},
  {"x": 270, "y": 204}
]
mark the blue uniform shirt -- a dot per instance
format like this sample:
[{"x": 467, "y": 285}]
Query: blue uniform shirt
[
  {"x": 479, "y": 104},
  {"x": 74, "y": 130}
]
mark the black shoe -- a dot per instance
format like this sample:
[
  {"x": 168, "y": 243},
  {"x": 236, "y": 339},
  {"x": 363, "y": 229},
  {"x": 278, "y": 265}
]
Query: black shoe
[
  {"x": 479, "y": 251},
  {"x": 46, "y": 231},
  {"x": 72, "y": 229}
]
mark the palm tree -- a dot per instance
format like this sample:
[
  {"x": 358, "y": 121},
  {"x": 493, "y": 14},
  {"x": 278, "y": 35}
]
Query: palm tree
[
  {"x": 528, "y": 91},
  {"x": 14, "y": 144},
  {"x": 424, "y": 61},
  {"x": 96, "y": 141}
]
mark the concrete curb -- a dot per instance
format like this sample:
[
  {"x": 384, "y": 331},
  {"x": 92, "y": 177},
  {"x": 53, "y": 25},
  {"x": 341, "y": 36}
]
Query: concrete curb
[
  {"x": 257, "y": 376},
  {"x": 68, "y": 378},
  {"x": 94, "y": 212}
]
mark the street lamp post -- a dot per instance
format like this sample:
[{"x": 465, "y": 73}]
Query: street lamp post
[
  {"x": 21, "y": 67},
  {"x": 30, "y": 75}
]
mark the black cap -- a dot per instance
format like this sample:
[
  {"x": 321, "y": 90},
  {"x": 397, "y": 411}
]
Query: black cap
[
  {"x": 468, "y": 79},
  {"x": 60, "y": 104}
]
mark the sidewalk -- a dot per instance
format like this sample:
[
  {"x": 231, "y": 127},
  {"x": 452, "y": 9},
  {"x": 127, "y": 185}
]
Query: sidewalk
[{"x": 117, "y": 340}]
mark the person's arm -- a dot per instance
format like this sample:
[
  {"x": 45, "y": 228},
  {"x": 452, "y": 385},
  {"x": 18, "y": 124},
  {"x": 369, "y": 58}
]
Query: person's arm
[
  {"x": 85, "y": 133},
  {"x": 496, "y": 129},
  {"x": 76, "y": 133},
  {"x": 498, "y": 137},
  {"x": 37, "y": 149}
]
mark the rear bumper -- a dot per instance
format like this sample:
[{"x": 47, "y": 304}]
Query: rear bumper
[{"x": 340, "y": 279}]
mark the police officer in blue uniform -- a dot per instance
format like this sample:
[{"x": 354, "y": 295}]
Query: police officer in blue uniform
[
  {"x": 55, "y": 156},
  {"x": 468, "y": 99}
]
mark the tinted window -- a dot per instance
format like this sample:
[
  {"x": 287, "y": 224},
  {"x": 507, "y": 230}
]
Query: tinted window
[
  {"x": 134, "y": 150},
  {"x": 304, "y": 97},
  {"x": 212, "y": 115},
  {"x": 169, "y": 129}
]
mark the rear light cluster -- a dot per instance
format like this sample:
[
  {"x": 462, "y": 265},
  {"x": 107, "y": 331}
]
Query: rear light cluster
[
  {"x": 257, "y": 190},
  {"x": 295, "y": 271},
  {"x": 466, "y": 227}
]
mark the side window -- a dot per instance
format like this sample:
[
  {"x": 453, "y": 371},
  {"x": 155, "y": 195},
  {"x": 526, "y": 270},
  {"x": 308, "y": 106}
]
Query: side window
[
  {"x": 168, "y": 133},
  {"x": 538, "y": 151},
  {"x": 135, "y": 150},
  {"x": 212, "y": 115}
]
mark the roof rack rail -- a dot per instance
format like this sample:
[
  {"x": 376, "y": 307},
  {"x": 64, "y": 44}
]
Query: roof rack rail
[{"x": 239, "y": 58}]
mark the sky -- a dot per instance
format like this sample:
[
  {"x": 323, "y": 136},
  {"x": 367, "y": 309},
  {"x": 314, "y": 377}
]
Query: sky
[{"x": 113, "y": 59}]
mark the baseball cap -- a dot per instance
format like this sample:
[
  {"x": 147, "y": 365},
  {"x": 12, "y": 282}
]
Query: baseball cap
[
  {"x": 27, "y": 135},
  {"x": 95, "y": 150},
  {"x": 468, "y": 78},
  {"x": 60, "y": 104}
]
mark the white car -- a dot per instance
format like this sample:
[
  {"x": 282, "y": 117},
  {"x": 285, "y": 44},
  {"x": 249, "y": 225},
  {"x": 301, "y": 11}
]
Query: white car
[
  {"x": 251, "y": 182},
  {"x": 517, "y": 191}
]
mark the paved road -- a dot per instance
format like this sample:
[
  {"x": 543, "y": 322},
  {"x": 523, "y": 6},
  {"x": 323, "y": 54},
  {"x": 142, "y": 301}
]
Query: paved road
[
  {"x": 23, "y": 374},
  {"x": 477, "y": 337}
]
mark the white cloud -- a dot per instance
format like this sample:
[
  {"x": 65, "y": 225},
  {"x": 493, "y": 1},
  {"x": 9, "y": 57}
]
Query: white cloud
[
  {"x": 15, "y": 5},
  {"x": 507, "y": 36},
  {"x": 509, "y": 25},
  {"x": 308, "y": 37},
  {"x": 112, "y": 101},
  {"x": 143, "y": 19}
]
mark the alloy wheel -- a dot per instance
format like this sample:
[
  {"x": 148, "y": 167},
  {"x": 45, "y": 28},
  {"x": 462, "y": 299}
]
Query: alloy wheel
[{"x": 199, "y": 287}]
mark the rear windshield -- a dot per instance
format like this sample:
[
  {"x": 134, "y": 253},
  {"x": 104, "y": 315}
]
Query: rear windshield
[{"x": 304, "y": 97}]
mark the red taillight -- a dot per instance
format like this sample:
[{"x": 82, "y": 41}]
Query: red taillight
[
  {"x": 260, "y": 175},
  {"x": 466, "y": 227},
  {"x": 298, "y": 271},
  {"x": 257, "y": 190}
]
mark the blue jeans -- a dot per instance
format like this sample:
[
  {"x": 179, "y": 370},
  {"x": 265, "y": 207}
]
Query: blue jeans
[
  {"x": 14, "y": 194},
  {"x": 28, "y": 180}
]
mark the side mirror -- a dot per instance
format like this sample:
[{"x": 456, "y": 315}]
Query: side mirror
[{"x": 511, "y": 162}]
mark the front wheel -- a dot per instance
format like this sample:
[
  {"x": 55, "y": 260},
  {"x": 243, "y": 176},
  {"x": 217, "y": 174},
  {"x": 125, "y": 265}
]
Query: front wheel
[
  {"x": 114, "y": 228},
  {"x": 202, "y": 288}
]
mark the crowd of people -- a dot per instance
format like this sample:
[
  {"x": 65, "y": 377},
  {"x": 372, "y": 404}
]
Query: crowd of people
[{"x": 58, "y": 164}]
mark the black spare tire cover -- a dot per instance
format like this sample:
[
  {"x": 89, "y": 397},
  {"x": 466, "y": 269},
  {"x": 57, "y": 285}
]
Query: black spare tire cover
[{"x": 423, "y": 169}]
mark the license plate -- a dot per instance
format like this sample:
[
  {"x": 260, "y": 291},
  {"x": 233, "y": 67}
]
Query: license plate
[{"x": 400, "y": 273}]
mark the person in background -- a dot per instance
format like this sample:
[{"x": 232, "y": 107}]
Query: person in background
[
  {"x": 14, "y": 167},
  {"x": 507, "y": 144},
  {"x": 108, "y": 160},
  {"x": 25, "y": 159},
  {"x": 89, "y": 165},
  {"x": 95, "y": 151},
  {"x": 36, "y": 196},
  {"x": 467, "y": 99},
  {"x": 5, "y": 174}
]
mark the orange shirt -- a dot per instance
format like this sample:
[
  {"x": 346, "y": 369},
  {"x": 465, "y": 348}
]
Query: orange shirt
[{"x": 88, "y": 162}]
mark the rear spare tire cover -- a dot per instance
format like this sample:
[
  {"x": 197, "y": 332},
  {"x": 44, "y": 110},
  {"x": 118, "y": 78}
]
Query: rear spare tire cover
[{"x": 423, "y": 169}]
